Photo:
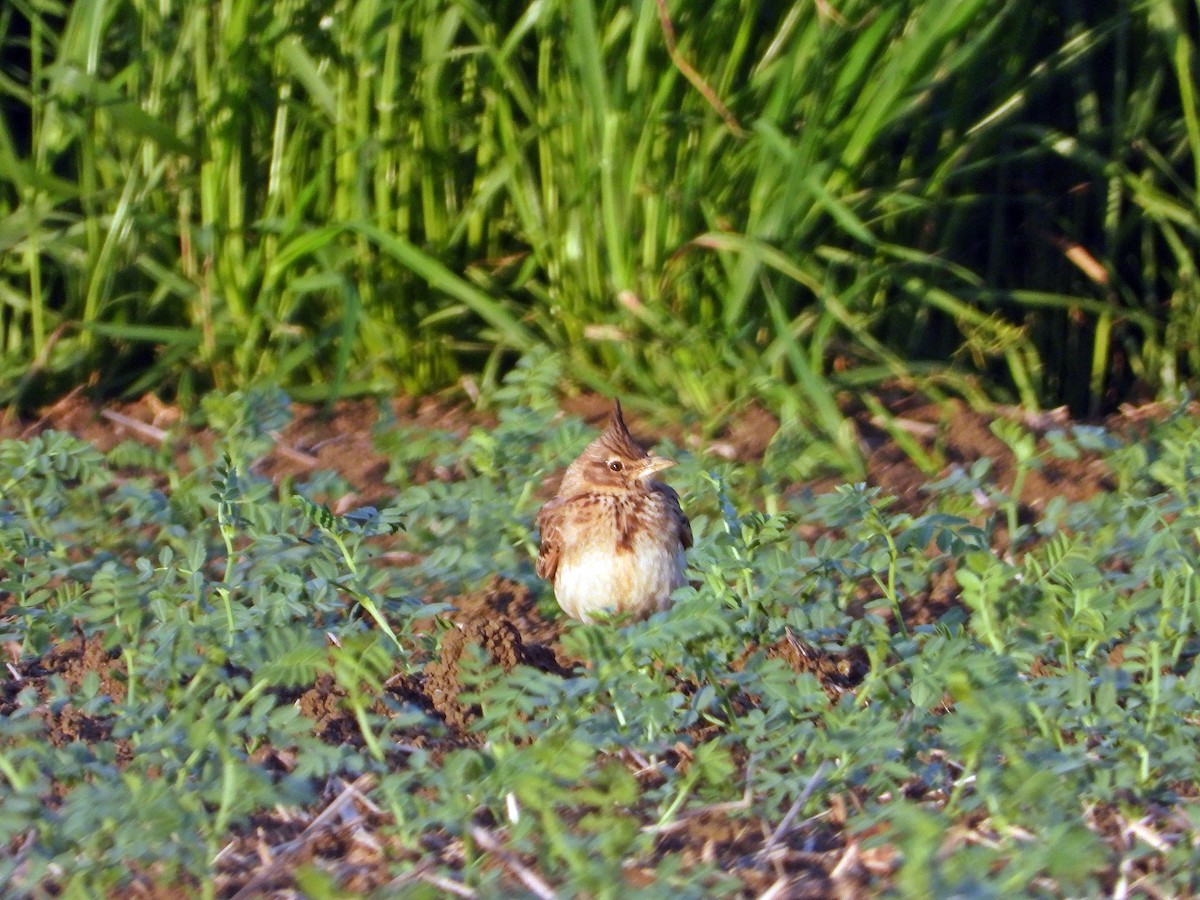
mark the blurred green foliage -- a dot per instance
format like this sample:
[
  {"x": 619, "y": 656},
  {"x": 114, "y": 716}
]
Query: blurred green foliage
[{"x": 973, "y": 196}]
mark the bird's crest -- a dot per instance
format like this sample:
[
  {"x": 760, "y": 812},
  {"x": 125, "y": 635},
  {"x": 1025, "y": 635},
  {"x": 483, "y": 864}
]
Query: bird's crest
[{"x": 617, "y": 439}]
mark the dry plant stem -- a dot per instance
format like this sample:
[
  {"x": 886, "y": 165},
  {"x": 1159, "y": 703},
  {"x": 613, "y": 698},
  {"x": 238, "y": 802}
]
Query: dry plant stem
[
  {"x": 536, "y": 884},
  {"x": 11, "y": 412},
  {"x": 297, "y": 456},
  {"x": 846, "y": 863},
  {"x": 282, "y": 854},
  {"x": 744, "y": 802},
  {"x": 423, "y": 871},
  {"x": 778, "y": 889},
  {"x": 920, "y": 429},
  {"x": 697, "y": 80},
  {"x": 447, "y": 884},
  {"x": 781, "y": 830},
  {"x": 149, "y": 432}
]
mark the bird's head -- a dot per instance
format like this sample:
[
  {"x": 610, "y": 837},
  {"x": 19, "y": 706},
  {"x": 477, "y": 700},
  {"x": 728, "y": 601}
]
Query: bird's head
[{"x": 613, "y": 463}]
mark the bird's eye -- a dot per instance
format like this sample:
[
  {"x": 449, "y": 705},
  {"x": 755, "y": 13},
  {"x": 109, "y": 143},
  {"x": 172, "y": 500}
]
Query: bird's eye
[{"x": 615, "y": 465}]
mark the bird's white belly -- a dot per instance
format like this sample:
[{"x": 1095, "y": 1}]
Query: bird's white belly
[{"x": 603, "y": 579}]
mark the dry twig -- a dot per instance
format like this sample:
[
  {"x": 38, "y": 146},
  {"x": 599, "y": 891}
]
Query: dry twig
[
  {"x": 152, "y": 433},
  {"x": 697, "y": 80},
  {"x": 785, "y": 826},
  {"x": 282, "y": 854},
  {"x": 536, "y": 884}
]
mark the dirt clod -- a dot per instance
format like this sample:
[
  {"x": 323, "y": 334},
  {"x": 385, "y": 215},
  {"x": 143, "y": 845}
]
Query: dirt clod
[
  {"x": 838, "y": 672},
  {"x": 501, "y": 642}
]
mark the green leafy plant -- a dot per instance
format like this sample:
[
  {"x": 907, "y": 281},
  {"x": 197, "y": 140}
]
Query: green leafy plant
[
  {"x": 794, "y": 696},
  {"x": 721, "y": 206},
  {"x": 347, "y": 534}
]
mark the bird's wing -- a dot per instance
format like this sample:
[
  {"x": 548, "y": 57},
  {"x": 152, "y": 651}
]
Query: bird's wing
[
  {"x": 548, "y": 524},
  {"x": 682, "y": 524}
]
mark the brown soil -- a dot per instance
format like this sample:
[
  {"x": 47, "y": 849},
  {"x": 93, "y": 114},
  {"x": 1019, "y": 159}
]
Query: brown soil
[
  {"x": 956, "y": 435},
  {"x": 838, "y": 673},
  {"x": 70, "y": 661},
  {"x": 341, "y": 439},
  {"x": 337, "y": 439},
  {"x": 502, "y": 624},
  {"x": 501, "y": 643}
]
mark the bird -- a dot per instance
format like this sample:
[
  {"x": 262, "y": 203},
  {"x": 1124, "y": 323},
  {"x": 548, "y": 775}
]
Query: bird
[{"x": 614, "y": 537}]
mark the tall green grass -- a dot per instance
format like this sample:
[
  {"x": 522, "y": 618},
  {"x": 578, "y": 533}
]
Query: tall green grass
[{"x": 377, "y": 195}]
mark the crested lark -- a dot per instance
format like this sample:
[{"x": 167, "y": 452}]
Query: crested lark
[{"x": 613, "y": 538}]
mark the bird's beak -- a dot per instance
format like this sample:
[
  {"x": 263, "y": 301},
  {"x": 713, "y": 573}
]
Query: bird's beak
[{"x": 652, "y": 465}]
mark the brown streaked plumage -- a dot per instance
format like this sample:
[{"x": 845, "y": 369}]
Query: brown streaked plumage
[{"x": 613, "y": 540}]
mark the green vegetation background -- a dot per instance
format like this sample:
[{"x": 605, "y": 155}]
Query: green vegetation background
[{"x": 699, "y": 203}]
